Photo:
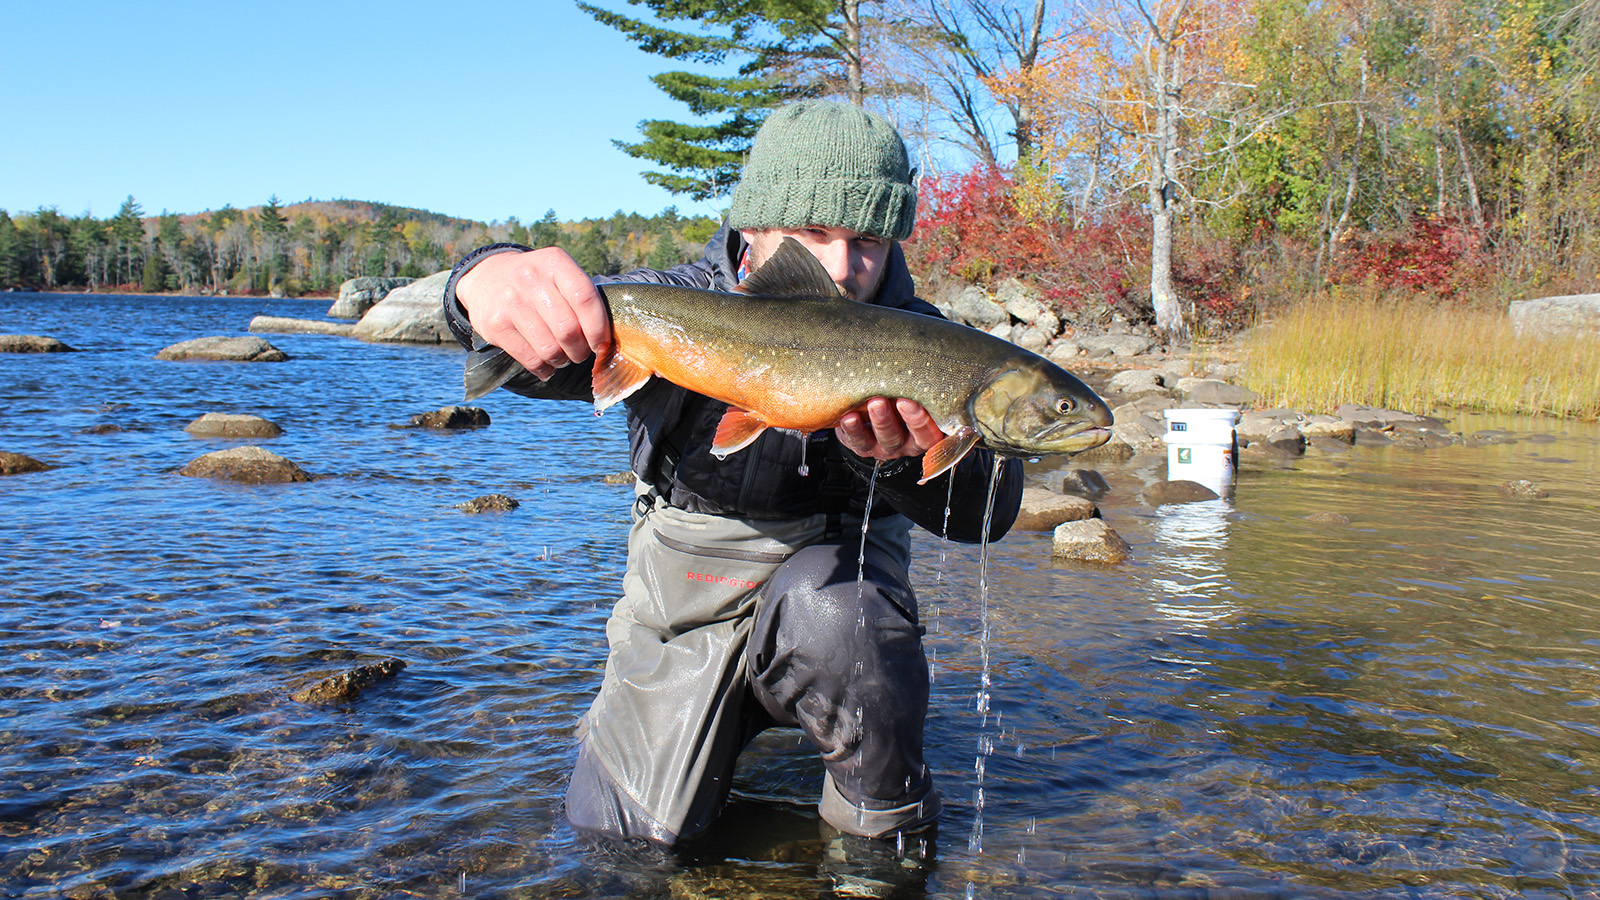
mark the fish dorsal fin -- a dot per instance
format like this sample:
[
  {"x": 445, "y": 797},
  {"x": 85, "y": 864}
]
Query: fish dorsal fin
[
  {"x": 945, "y": 454},
  {"x": 791, "y": 271}
]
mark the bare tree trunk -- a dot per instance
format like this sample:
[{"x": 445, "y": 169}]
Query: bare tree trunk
[
  {"x": 1473, "y": 202},
  {"x": 1165, "y": 90},
  {"x": 854, "y": 88}
]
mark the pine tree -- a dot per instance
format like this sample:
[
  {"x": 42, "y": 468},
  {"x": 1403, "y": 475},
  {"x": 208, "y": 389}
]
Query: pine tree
[{"x": 788, "y": 50}]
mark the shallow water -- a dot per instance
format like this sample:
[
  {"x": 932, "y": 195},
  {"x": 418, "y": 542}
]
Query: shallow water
[{"x": 1255, "y": 706}]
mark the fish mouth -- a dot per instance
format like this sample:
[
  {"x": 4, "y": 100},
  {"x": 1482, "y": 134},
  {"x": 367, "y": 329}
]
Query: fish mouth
[{"x": 1073, "y": 437}]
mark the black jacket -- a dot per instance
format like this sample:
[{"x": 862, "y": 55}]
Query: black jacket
[{"x": 670, "y": 430}]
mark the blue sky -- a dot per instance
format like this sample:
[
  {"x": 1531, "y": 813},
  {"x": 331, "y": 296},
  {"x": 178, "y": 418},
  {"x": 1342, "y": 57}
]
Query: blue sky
[{"x": 483, "y": 110}]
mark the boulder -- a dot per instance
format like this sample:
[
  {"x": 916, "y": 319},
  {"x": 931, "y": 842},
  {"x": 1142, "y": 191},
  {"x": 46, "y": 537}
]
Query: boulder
[
  {"x": 358, "y": 295},
  {"x": 1024, "y": 305},
  {"x": 1115, "y": 345},
  {"x": 281, "y": 325},
  {"x": 488, "y": 503},
  {"x": 236, "y": 348},
  {"x": 1085, "y": 483},
  {"x": 974, "y": 307},
  {"x": 413, "y": 314},
  {"x": 1136, "y": 381},
  {"x": 1213, "y": 392},
  {"x": 1328, "y": 427},
  {"x": 31, "y": 343},
  {"x": 451, "y": 418},
  {"x": 1089, "y": 540},
  {"x": 1044, "y": 509},
  {"x": 1163, "y": 493},
  {"x": 17, "y": 464},
  {"x": 347, "y": 686},
  {"x": 1030, "y": 337},
  {"x": 228, "y": 425},
  {"x": 1574, "y": 314},
  {"x": 1062, "y": 350},
  {"x": 247, "y": 465}
]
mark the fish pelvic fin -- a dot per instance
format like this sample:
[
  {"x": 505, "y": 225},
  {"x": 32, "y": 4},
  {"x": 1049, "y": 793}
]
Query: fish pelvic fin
[
  {"x": 791, "y": 271},
  {"x": 487, "y": 369},
  {"x": 737, "y": 430},
  {"x": 941, "y": 457},
  {"x": 616, "y": 377}
]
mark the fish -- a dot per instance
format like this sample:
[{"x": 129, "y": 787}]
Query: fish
[{"x": 786, "y": 350}]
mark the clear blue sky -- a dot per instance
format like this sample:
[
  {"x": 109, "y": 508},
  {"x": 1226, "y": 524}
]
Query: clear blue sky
[{"x": 482, "y": 110}]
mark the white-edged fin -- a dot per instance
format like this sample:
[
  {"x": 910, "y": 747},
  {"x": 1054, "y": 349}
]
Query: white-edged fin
[
  {"x": 487, "y": 369},
  {"x": 737, "y": 430},
  {"x": 945, "y": 454},
  {"x": 791, "y": 271},
  {"x": 616, "y": 378}
]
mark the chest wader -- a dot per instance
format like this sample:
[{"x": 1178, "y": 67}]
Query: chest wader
[{"x": 728, "y": 626}]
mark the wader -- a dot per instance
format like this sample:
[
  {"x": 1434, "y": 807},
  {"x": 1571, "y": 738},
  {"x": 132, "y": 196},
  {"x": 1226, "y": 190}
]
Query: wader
[{"x": 728, "y": 626}]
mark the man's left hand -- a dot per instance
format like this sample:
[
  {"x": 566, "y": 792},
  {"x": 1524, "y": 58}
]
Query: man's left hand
[{"x": 888, "y": 429}]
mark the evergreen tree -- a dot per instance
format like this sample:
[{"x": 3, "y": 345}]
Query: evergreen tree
[
  {"x": 666, "y": 254},
  {"x": 788, "y": 49},
  {"x": 592, "y": 254},
  {"x": 546, "y": 232},
  {"x": 10, "y": 257}
]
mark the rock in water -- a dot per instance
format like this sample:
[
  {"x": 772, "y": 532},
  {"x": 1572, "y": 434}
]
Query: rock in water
[
  {"x": 238, "y": 348},
  {"x": 227, "y": 425},
  {"x": 1044, "y": 509},
  {"x": 488, "y": 503},
  {"x": 1523, "y": 489},
  {"x": 1181, "y": 491},
  {"x": 17, "y": 464},
  {"x": 247, "y": 465},
  {"x": 413, "y": 314},
  {"x": 347, "y": 686},
  {"x": 451, "y": 417},
  {"x": 358, "y": 295},
  {"x": 1089, "y": 540},
  {"x": 31, "y": 343},
  {"x": 281, "y": 325}
]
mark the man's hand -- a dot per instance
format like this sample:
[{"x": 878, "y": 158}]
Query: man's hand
[
  {"x": 538, "y": 306},
  {"x": 888, "y": 429}
]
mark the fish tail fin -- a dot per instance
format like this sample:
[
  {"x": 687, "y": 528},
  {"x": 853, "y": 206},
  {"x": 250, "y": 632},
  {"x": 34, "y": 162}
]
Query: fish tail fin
[{"x": 487, "y": 369}]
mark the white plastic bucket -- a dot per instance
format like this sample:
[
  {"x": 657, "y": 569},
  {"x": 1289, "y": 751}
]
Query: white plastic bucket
[{"x": 1201, "y": 446}]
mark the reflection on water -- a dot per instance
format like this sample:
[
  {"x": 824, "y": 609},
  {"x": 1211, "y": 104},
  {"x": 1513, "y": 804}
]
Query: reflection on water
[{"x": 1260, "y": 704}]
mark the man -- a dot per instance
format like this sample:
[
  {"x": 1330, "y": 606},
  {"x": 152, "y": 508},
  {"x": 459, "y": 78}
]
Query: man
[{"x": 744, "y": 605}]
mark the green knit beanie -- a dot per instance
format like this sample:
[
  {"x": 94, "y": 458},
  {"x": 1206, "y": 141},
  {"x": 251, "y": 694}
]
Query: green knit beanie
[{"x": 828, "y": 164}]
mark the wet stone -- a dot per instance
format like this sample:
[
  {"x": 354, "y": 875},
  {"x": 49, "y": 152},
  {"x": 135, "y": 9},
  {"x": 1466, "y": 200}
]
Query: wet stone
[
  {"x": 1089, "y": 540},
  {"x": 228, "y": 425},
  {"x": 104, "y": 428},
  {"x": 617, "y": 478},
  {"x": 488, "y": 503},
  {"x": 1181, "y": 491},
  {"x": 1085, "y": 483},
  {"x": 1523, "y": 489},
  {"x": 241, "y": 348},
  {"x": 347, "y": 686},
  {"x": 32, "y": 343},
  {"x": 17, "y": 464},
  {"x": 451, "y": 418},
  {"x": 1328, "y": 518},
  {"x": 247, "y": 465},
  {"x": 1043, "y": 509}
]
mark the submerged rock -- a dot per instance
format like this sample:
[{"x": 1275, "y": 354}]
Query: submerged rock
[
  {"x": 31, "y": 343},
  {"x": 1523, "y": 489},
  {"x": 237, "y": 348},
  {"x": 1085, "y": 483},
  {"x": 228, "y": 425},
  {"x": 1044, "y": 509},
  {"x": 451, "y": 417},
  {"x": 1181, "y": 491},
  {"x": 281, "y": 325},
  {"x": 347, "y": 686},
  {"x": 1328, "y": 518},
  {"x": 488, "y": 503},
  {"x": 1089, "y": 540},
  {"x": 247, "y": 465},
  {"x": 18, "y": 464}
]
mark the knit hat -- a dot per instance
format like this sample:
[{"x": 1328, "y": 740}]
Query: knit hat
[{"x": 829, "y": 164}]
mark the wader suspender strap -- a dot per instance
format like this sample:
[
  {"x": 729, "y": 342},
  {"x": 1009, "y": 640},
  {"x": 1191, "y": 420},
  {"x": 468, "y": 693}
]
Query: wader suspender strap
[{"x": 670, "y": 452}]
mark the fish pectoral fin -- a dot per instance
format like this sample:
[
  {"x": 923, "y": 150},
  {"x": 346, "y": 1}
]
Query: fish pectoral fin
[
  {"x": 487, "y": 369},
  {"x": 737, "y": 430},
  {"x": 945, "y": 454},
  {"x": 615, "y": 378}
]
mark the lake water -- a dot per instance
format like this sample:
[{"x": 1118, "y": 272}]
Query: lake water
[{"x": 1256, "y": 705}]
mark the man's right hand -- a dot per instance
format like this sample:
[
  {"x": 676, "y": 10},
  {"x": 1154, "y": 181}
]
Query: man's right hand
[{"x": 538, "y": 306}]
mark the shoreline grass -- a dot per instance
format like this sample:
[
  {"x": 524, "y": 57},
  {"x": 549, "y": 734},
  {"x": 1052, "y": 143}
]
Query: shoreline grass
[{"x": 1413, "y": 356}]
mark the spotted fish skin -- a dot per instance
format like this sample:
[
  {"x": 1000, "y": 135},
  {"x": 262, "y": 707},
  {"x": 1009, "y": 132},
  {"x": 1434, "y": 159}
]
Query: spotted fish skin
[{"x": 786, "y": 350}]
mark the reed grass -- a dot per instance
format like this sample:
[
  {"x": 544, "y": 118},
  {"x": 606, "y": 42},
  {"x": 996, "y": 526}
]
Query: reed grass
[{"x": 1415, "y": 356}]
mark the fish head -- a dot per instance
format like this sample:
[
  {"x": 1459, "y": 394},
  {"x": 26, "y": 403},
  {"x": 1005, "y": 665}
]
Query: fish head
[{"x": 1037, "y": 408}]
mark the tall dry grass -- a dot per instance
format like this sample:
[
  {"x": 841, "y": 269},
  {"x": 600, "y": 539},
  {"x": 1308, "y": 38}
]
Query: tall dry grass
[{"x": 1414, "y": 356}]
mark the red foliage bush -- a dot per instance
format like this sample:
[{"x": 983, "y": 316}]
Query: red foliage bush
[{"x": 1440, "y": 256}]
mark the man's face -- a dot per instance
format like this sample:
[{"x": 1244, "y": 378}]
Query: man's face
[{"x": 854, "y": 261}]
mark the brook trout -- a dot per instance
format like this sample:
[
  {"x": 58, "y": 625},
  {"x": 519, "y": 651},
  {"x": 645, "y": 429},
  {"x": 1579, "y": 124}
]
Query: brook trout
[{"x": 787, "y": 350}]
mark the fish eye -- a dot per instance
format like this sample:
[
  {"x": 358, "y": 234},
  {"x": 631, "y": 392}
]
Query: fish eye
[{"x": 1064, "y": 406}]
